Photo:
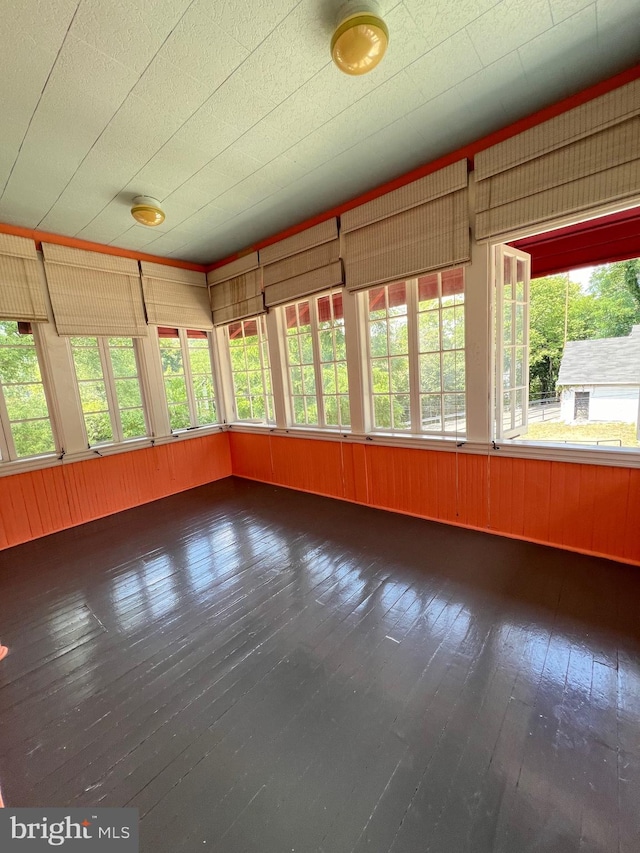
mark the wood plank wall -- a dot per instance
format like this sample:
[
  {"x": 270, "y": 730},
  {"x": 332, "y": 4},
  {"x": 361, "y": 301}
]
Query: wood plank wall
[
  {"x": 40, "y": 502},
  {"x": 586, "y": 508}
]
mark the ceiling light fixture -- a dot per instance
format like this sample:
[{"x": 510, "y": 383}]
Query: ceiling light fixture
[
  {"x": 147, "y": 210},
  {"x": 360, "y": 38}
]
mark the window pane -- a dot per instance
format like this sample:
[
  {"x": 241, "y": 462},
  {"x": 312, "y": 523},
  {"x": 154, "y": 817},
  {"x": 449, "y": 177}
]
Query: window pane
[
  {"x": 296, "y": 380},
  {"x": 429, "y": 351},
  {"x": 23, "y": 392},
  {"x": 176, "y": 389},
  {"x": 382, "y": 412},
  {"x": 179, "y": 416},
  {"x": 18, "y": 364},
  {"x": 380, "y": 376},
  {"x": 25, "y": 401},
  {"x": 312, "y": 410},
  {"x": 315, "y": 342},
  {"x": 309, "y": 379},
  {"x": 32, "y": 438},
  {"x": 123, "y": 360},
  {"x": 454, "y": 411},
  {"x": 401, "y": 411},
  {"x": 453, "y": 371},
  {"x": 345, "y": 412},
  {"x": 206, "y": 411},
  {"x": 200, "y": 359},
  {"x": 429, "y": 331},
  {"x": 331, "y": 411},
  {"x": 397, "y": 298},
  {"x": 400, "y": 374},
  {"x": 102, "y": 424},
  {"x": 428, "y": 291},
  {"x": 398, "y": 336},
  {"x": 299, "y": 413},
  {"x": 430, "y": 372},
  {"x": 133, "y": 423},
  {"x": 329, "y": 379},
  {"x": 202, "y": 380},
  {"x": 128, "y": 393},
  {"x": 378, "y": 339},
  {"x": 98, "y": 426},
  {"x": 431, "y": 412},
  {"x": 171, "y": 356},
  {"x": 250, "y": 370},
  {"x": 326, "y": 345},
  {"x": 448, "y": 319},
  {"x": 203, "y": 386}
]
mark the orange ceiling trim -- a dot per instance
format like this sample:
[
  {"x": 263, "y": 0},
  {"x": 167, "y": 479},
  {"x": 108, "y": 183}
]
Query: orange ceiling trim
[
  {"x": 73, "y": 242},
  {"x": 468, "y": 151}
]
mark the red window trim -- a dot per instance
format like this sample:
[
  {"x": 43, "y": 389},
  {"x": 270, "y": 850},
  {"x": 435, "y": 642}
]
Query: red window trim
[{"x": 599, "y": 241}]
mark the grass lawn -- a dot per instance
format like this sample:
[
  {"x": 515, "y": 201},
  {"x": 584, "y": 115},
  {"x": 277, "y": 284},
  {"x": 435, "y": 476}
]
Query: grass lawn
[{"x": 606, "y": 433}]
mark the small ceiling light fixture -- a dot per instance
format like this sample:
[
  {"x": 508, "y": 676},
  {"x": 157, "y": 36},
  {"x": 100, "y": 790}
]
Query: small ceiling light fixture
[
  {"x": 147, "y": 210},
  {"x": 360, "y": 40}
]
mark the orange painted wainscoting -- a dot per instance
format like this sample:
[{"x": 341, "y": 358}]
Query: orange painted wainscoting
[
  {"x": 587, "y": 508},
  {"x": 43, "y": 501}
]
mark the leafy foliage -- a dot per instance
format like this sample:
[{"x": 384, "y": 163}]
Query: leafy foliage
[
  {"x": 23, "y": 393},
  {"x": 608, "y": 309}
]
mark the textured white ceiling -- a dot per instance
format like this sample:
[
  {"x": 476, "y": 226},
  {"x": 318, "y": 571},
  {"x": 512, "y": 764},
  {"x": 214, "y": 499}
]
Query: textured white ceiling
[{"x": 232, "y": 114}]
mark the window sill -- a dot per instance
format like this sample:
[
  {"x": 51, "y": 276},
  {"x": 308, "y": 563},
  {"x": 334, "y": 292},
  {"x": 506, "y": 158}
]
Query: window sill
[
  {"x": 578, "y": 454},
  {"x": 621, "y": 457}
]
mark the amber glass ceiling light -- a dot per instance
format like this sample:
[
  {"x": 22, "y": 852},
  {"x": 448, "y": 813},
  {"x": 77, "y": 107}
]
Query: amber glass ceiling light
[
  {"x": 147, "y": 210},
  {"x": 360, "y": 39}
]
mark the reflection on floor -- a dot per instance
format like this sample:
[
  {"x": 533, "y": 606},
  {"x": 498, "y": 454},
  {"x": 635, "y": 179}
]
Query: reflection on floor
[{"x": 261, "y": 670}]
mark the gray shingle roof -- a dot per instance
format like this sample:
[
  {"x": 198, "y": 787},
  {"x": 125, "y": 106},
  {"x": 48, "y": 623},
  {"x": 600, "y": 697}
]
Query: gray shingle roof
[{"x": 607, "y": 361}]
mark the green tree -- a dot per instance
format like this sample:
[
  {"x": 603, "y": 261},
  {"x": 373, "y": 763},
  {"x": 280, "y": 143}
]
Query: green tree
[
  {"x": 616, "y": 294},
  {"x": 560, "y": 309},
  {"x": 21, "y": 386},
  {"x": 557, "y": 306}
]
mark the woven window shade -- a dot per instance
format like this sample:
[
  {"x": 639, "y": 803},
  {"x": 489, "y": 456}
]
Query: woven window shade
[
  {"x": 94, "y": 294},
  {"x": 21, "y": 292},
  {"x": 175, "y": 297},
  {"x": 303, "y": 264},
  {"x": 419, "y": 227},
  {"x": 236, "y": 290},
  {"x": 585, "y": 157}
]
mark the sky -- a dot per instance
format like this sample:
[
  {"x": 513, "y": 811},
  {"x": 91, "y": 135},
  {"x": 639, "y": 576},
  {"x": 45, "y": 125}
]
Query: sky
[{"x": 582, "y": 276}]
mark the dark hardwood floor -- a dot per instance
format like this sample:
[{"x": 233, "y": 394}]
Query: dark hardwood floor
[{"x": 264, "y": 671}]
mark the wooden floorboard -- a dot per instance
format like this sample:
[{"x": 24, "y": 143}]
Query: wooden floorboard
[{"x": 262, "y": 670}]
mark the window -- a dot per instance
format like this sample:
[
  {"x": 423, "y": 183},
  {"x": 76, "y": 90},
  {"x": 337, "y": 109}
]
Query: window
[
  {"x": 250, "y": 370},
  {"x": 108, "y": 379},
  {"x": 316, "y": 359},
  {"x": 188, "y": 378},
  {"x": 24, "y": 411},
  {"x": 512, "y": 272},
  {"x": 416, "y": 354},
  {"x": 567, "y": 351}
]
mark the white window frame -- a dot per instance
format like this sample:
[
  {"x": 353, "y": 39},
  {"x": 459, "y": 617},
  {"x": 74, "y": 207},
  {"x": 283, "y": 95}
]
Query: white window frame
[
  {"x": 415, "y": 430},
  {"x": 500, "y": 253},
  {"x": 626, "y": 457},
  {"x": 312, "y": 300},
  {"x": 109, "y": 380},
  {"x": 227, "y": 372},
  {"x": 188, "y": 379},
  {"x": 7, "y": 446}
]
